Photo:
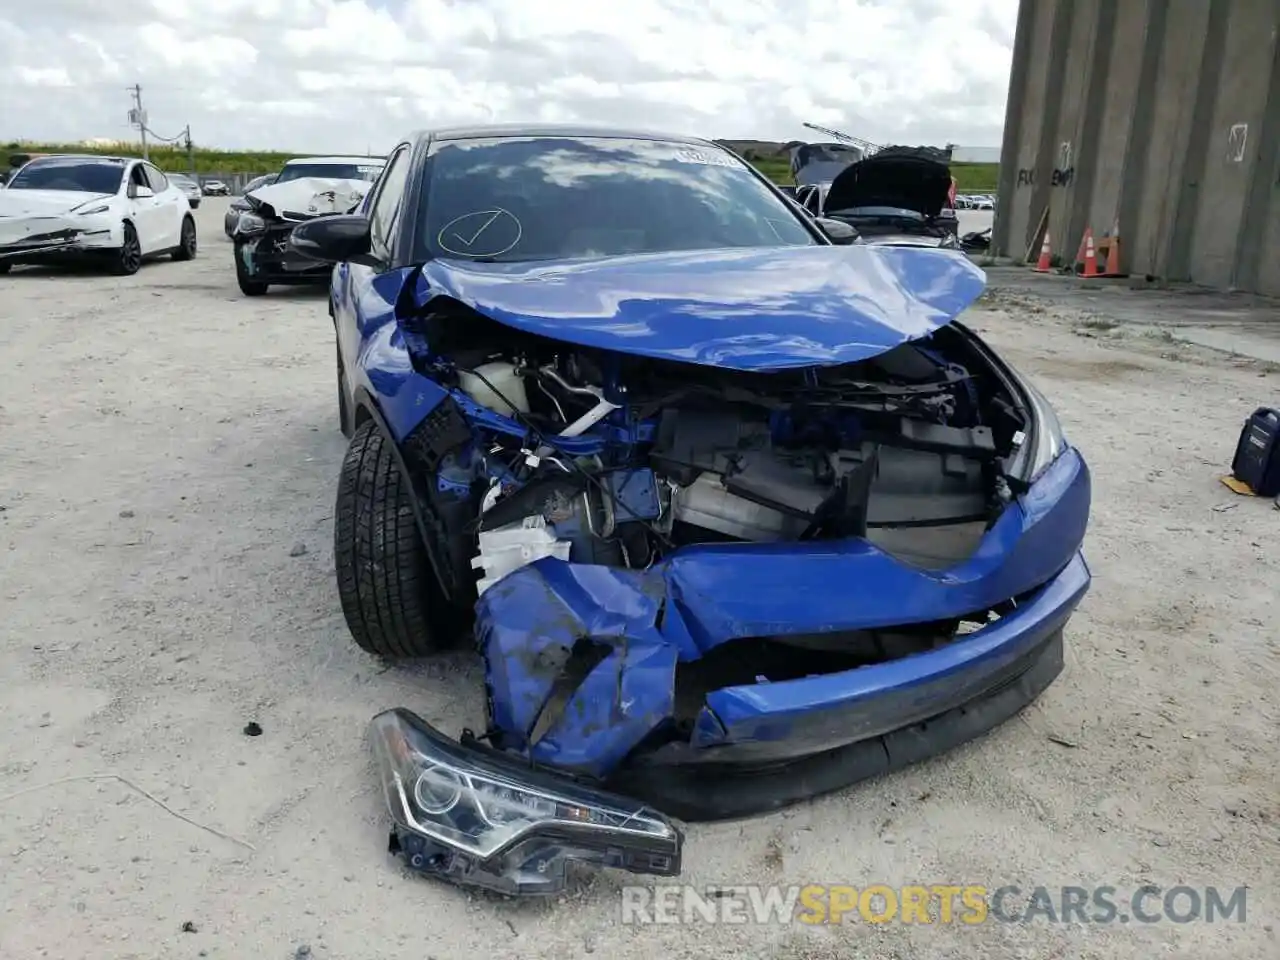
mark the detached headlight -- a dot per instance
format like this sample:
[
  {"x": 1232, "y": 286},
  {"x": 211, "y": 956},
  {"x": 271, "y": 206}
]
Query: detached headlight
[
  {"x": 1043, "y": 442},
  {"x": 472, "y": 816},
  {"x": 250, "y": 224}
]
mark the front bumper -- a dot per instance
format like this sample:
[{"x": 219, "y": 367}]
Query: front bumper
[
  {"x": 760, "y": 746},
  {"x": 267, "y": 257},
  {"x": 35, "y": 239}
]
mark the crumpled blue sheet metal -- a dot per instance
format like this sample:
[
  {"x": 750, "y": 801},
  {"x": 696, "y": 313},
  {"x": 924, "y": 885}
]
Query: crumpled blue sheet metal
[
  {"x": 703, "y": 596},
  {"x": 743, "y": 309}
]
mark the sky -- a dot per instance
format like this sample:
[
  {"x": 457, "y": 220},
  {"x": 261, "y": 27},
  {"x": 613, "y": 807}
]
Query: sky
[{"x": 356, "y": 75}]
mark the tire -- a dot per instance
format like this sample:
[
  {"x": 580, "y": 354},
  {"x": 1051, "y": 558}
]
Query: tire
[
  {"x": 5, "y": 267},
  {"x": 248, "y": 286},
  {"x": 384, "y": 574},
  {"x": 187, "y": 242},
  {"x": 128, "y": 259},
  {"x": 344, "y": 409}
]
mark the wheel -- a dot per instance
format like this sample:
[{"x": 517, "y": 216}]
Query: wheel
[
  {"x": 129, "y": 257},
  {"x": 344, "y": 410},
  {"x": 384, "y": 574},
  {"x": 248, "y": 286},
  {"x": 187, "y": 241},
  {"x": 5, "y": 267}
]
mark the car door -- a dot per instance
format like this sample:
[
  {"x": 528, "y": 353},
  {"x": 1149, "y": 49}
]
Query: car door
[
  {"x": 172, "y": 202},
  {"x": 351, "y": 280},
  {"x": 145, "y": 210}
]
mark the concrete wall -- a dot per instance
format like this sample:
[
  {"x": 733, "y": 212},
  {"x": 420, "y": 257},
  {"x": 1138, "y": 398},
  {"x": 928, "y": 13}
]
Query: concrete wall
[{"x": 1160, "y": 115}]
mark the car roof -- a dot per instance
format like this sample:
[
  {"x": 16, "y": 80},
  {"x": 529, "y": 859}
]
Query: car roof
[
  {"x": 368, "y": 161},
  {"x": 570, "y": 130},
  {"x": 85, "y": 156}
]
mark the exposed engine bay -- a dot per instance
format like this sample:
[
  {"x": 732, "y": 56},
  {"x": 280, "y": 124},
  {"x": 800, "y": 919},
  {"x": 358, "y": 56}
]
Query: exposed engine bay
[{"x": 603, "y": 458}]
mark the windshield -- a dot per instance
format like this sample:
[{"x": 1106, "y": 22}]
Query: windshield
[
  {"x": 544, "y": 198},
  {"x": 180, "y": 180},
  {"x": 331, "y": 171},
  {"x": 68, "y": 173}
]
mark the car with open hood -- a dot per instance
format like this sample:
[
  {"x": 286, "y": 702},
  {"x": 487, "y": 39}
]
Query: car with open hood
[
  {"x": 814, "y": 164},
  {"x": 899, "y": 195},
  {"x": 116, "y": 211},
  {"x": 305, "y": 188},
  {"x": 734, "y": 514}
]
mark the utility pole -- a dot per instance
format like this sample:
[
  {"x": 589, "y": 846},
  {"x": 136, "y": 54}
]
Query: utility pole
[
  {"x": 191, "y": 153},
  {"x": 138, "y": 117}
]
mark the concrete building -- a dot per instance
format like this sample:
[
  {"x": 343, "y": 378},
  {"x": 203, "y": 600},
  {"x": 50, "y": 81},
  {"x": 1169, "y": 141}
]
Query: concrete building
[{"x": 1163, "y": 115}]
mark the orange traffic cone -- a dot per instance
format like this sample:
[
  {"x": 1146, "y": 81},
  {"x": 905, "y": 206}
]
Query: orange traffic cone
[
  {"x": 1113, "y": 253},
  {"x": 1044, "y": 264},
  {"x": 1090, "y": 255}
]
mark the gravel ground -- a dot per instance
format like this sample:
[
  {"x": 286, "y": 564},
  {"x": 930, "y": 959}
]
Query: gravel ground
[{"x": 169, "y": 452}]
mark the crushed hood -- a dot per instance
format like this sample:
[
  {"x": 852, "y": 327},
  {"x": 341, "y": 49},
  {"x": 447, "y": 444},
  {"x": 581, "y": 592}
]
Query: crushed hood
[
  {"x": 911, "y": 178},
  {"x": 752, "y": 309},
  {"x": 309, "y": 197},
  {"x": 44, "y": 203}
]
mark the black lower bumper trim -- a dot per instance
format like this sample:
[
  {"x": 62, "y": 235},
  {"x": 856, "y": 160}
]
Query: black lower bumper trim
[{"x": 722, "y": 792}]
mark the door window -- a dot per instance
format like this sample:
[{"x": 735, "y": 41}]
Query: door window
[
  {"x": 384, "y": 214},
  {"x": 156, "y": 180}
]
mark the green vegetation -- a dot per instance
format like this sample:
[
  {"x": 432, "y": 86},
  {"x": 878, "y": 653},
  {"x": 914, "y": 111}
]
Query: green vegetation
[
  {"x": 970, "y": 177},
  {"x": 172, "y": 159}
]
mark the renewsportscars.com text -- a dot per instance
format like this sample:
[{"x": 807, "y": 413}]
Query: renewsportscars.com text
[{"x": 964, "y": 904}]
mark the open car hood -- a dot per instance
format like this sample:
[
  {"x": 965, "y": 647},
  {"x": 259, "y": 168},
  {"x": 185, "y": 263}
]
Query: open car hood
[
  {"x": 309, "y": 197},
  {"x": 821, "y": 162},
  {"x": 910, "y": 178},
  {"x": 751, "y": 309}
]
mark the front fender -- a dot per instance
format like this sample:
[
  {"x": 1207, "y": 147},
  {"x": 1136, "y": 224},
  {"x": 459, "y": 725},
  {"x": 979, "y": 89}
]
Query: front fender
[{"x": 419, "y": 485}]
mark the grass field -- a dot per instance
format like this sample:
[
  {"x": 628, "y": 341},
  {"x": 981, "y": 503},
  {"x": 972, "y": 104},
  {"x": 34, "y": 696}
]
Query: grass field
[{"x": 970, "y": 177}]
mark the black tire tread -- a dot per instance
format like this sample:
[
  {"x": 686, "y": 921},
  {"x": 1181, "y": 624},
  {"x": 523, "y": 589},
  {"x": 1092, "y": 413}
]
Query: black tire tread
[
  {"x": 382, "y": 567},
  {"x": 180, "y": 253}
]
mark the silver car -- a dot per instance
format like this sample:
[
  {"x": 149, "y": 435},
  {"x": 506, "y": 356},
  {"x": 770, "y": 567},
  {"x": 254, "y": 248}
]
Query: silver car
[{"x": 188, "y": 186}]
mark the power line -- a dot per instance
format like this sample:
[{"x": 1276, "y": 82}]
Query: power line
[{"x": 138, "y": 117}]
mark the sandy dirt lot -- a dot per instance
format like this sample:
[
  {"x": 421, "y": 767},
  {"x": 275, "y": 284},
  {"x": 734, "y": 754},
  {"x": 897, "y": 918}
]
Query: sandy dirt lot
[{"x": 168, "y": 458}]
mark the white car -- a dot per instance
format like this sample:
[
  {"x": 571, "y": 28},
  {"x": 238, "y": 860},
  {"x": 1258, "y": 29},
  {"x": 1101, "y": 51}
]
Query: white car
[
  {"x": 216, "y": 188},
  {"x": 306, "y": 187},
  {"x": 119, "y": 210},
  {"x": 187, "y": 186}
]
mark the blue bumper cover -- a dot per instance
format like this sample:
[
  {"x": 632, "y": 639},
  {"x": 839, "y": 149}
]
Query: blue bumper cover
[{"x": 703, "y": 596}]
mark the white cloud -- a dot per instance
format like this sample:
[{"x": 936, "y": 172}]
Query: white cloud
[{"x": 344, "y": 74}]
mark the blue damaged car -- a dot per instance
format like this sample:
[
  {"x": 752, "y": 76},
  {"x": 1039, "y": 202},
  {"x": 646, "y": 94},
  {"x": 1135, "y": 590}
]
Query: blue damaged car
[{"x": 734, "y": 509}]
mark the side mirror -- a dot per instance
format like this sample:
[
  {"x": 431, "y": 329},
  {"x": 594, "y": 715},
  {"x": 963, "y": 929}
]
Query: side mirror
[
  {"x": 333, "y": 238},
  {"x": 141, "y": 193},
  {"x": 837, "y": 231}
]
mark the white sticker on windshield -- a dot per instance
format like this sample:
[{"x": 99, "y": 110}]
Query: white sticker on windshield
[
  {"x": 368, "y": 169},
  {"x": 711, "y": 158}
]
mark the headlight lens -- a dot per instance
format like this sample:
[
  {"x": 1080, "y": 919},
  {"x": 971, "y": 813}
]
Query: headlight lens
[
  {"x": 250, "y": 224},
  {"x": 1046, "y": 442},
  {"x": 478, "y": 818}
]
